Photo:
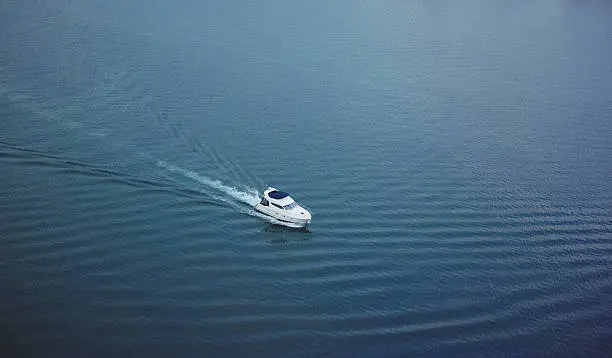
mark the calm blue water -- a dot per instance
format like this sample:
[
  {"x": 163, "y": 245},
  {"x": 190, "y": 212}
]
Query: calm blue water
[{"x": 456, "y": 157}]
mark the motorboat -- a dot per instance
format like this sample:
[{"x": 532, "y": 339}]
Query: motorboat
[{"x": 280, "y": 206}]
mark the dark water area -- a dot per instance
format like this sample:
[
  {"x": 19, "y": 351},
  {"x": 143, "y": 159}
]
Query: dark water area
[{"x": 456, "y": 157}]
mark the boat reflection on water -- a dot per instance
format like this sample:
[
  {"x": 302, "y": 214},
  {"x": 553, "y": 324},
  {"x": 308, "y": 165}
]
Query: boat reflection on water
[
  {"x": 280, "y": 234},
  {"x": 282, "y": 229}
]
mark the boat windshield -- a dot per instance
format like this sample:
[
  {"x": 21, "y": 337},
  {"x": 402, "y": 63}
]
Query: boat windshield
[{"x": 290, "y": 206}]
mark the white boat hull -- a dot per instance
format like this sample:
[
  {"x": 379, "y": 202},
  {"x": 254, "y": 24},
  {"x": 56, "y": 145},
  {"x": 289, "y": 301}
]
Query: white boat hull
[{"x": 282, "y": 217}]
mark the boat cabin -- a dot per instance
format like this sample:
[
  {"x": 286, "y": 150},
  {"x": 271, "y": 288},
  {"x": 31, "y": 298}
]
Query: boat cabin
[{"x": 278, "y": 199}]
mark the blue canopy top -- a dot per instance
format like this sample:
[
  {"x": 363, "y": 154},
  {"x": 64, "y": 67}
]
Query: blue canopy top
[{"x": 275, "y": 194}]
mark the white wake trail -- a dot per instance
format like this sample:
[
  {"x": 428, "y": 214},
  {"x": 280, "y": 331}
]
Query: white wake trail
[
  {"x": 251, "y": 197},
  {"x": 232, "y": 197}
]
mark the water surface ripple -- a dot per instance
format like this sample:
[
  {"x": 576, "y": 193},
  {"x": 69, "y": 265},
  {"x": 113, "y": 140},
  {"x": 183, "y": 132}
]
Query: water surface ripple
[{"x": 456, "y": 159}]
